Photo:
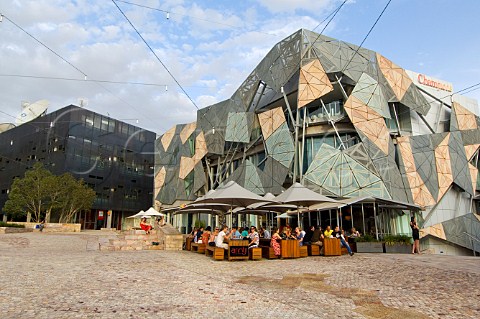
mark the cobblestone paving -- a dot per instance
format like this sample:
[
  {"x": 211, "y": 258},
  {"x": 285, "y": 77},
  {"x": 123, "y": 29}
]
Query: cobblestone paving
[{"x": 60, "y": 276}]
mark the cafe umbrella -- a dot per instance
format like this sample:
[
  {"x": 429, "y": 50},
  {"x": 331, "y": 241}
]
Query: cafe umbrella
[
  {"x": 233, "y": 195},
  {"x": 301, "y": 196}
]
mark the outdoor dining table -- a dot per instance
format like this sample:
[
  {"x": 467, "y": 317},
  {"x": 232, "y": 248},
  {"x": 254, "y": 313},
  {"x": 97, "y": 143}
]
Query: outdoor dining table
[{"x": 237, "y": 249}]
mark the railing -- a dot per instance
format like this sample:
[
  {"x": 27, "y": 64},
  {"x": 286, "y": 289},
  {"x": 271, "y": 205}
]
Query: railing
[{"x": 472, "y": 238}]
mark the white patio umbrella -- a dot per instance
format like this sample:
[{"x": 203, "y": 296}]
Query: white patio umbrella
[
  {"x": 301, "y": 196},
  {"x": 233, "y": 195},
  {"x": 137, "y": 215},
  {"x": 153, "y": 212}
]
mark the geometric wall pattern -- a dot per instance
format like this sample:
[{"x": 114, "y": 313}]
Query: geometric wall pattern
[
  {"x": 368, "y": 122},
  {"x": 248, "y": 139},
  {"x": 420, "y": 193},
  {"x": 280, "y": 145},
  {"x": 187, "y": 131},
  {"x": 270, "y": 121},
  {"x": 237, "y": 128},
  {"x": 342, "y": 175},
  {"x": 313, "y": 83}
]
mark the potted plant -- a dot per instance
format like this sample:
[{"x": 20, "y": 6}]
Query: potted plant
[
  {"x": 398, "y": 244},
  {"x": 369, "y": 244}
]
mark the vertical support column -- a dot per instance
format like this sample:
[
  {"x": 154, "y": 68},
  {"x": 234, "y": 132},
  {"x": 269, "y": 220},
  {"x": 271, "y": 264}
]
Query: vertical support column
[
  {"x": 363, "y": 220},
  {"x": 351, "y": 214},
  {"x": 375, "y": 219}
]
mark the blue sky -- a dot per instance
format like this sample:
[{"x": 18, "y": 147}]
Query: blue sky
[{"x": 209, "y": 46}]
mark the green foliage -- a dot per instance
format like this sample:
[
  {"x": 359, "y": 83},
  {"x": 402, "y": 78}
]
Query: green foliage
[
  {"x": 2, "y": 224},
  {"x": 29, "y": 194},
  {"x": 367, "y": 238},
  {"x": 397, "y": 239},
  {"x": 40, "y": 192},
  {"x": 200, "y": 223}
]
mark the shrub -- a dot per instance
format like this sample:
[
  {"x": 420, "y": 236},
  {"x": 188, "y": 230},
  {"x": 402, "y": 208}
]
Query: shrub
[
  {"x": 394, "y": 239},
  {"x": 3, "y": 224},
  {"x": 367, "y": 238},
  {"x": 199, "y": 223}
]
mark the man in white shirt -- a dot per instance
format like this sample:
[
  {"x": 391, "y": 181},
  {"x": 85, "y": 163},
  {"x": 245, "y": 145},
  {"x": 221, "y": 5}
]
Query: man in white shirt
[{"x": 221, "y": 235}]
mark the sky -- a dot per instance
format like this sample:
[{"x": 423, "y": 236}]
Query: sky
[{"x": 209, "y": 47}]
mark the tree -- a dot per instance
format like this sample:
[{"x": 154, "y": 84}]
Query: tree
[
  {"x": 29, "y": 194},
  {"x": 75, "y": 197},
  {"x": 41, "y": 192}
]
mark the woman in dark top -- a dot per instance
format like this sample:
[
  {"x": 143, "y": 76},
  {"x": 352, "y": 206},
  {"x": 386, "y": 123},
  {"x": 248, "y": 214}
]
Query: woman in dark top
[{"x": 415, "y": 235}]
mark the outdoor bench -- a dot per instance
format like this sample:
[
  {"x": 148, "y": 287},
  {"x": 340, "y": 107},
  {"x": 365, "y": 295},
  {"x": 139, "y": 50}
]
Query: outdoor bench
[
  {"x": 303, "y": 251},
  {"x": 218, "y": 253},
  {"x": 268, "y": 252},
  {"x": 255, "y": 253},
  {"x": 313, "y": 250},
  {"x": 199, "y": 248}
]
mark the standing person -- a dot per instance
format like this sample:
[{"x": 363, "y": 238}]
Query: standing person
[
  {"x": 274, "y": 242},
  {"x": 415, "y": 235},
  {"x": 221, "y": 236},
  {"x": 254, "y": 238}
]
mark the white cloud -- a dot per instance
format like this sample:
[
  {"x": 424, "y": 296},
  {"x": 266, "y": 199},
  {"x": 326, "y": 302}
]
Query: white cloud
[
  {"x": 207, "y": 56},
  {"x": 291, "y": 6}
]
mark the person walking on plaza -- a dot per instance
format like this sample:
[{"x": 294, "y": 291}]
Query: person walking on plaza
[
  {"x": 221, "y": 236},
  {"x": 415, "y": 235}
]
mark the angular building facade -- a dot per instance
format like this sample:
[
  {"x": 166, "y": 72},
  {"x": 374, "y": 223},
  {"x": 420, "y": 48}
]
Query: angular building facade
[
  {"x": 113, "y": 157},
  {"x": 363, "y": 127}
]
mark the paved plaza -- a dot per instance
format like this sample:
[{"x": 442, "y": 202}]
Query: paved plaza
[{"x": 62, "y": 276}]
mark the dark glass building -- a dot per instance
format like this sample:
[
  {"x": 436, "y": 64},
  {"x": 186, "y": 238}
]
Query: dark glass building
[{"x": 113, "y": 157}]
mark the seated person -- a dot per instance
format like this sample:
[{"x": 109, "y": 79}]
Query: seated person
[
  {"x": 288, "y": 233},
  {"x": 193, "y": 233},
  {"x": 266, "y": 233},
  {"x": 245, "y": 233},
  {"x": 260, "y": 232},
  {"x": 235, "y": 233},
  {"x": 206, "y": 235},
  {"x": 300, "y": 234},
  {"x": 354, "y": 233},
  {"x": 221, "y": 237},
  {"x": 254, "y": 237},
  {"x": 317, "y": 238},
  {"x": 41, "y": 226},
  {"x": 213, "y": 237},
  {"x": 307, "y": 239},
  {"x": 198, "y": 236},
  {"x": 145, "y": 226},
  {"x": 274, "y": 242},
  {"x": 338, "y": 234},
  {"x": 328, "y": 232}
]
